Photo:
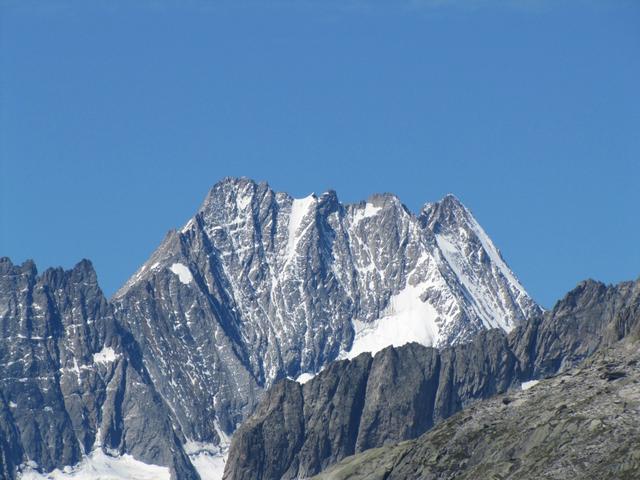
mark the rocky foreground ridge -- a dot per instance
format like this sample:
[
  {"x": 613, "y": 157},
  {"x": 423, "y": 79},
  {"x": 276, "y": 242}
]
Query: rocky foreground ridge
[{"x": 582, "y": 423}]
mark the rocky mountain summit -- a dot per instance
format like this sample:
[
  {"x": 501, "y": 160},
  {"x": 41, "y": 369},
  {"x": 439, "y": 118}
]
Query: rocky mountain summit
[
  {"x": 400, "y": 393},
  {"x": 259, "y": 286},
  {"x": 256, "y": 287}
]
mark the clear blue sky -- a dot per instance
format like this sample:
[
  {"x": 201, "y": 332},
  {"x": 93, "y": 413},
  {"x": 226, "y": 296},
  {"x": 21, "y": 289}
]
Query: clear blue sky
[{"x": 116, "y": 119}]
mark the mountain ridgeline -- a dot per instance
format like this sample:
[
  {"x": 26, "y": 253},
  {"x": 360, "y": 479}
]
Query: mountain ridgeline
[
  {"x": 259, "y": 286},
  {"x": 256, "y": 287}
]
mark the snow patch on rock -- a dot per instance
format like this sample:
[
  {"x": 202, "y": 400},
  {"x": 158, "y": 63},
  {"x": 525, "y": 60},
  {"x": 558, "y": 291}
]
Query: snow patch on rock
[
  {"x": 406, "y": 319},
  {"x": 210, "y": 466},
  {"x": 489, "y": 310},
  {"x": 187, "y": 227},
  {"x": 183, "y": 273},
  {"x": 243, "y": 201},
  {"x": 100, "y": 466},
  {"x": 208, "y": 459},
  {"x": 106, "y": 355},
  {"x": 299, "y": 209},
  {"x": 304, "y": 378},
  {"x": 368, "y": 211},
  {"x": 494, "y": 254}
]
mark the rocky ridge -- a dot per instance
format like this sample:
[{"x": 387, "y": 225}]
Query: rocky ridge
[{"x": 582, "y": 423}]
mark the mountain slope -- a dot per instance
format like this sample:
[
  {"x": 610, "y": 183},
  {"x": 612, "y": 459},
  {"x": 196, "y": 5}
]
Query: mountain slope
[
  {"x": 402, "y": 392},
  {"x": 259, "y": 286}
]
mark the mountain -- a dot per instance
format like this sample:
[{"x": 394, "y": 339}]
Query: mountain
[
  {"x": 72, "y": 380},
  {"x": 259, "y": 286},
  {"x": 255, "y": 288},
  {"x": 582, "y": 424},
  {"x": 400, "y": 393}
]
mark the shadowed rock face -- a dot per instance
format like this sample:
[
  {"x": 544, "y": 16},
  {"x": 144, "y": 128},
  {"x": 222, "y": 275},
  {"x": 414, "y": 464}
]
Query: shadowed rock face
[
  {"x": 367, "y": 402},
  {"x": 410, "y": 389},
  {"x": 71, "y": 379},
  {"x": 582, "y": 423}
]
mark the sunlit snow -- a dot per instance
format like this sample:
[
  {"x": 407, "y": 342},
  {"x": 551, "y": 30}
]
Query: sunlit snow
[
  {"x": 106, "y": 355},
  {"x": 243, "y": 201},
  {"x": 100, "y": 466},
  {"x": 186, "y": 228},
  {"x": 184, "y": 274},
  {"x": 299, "y": 209},
  {"x": 486, "y": 306},
  {"x": 407, "y": 319},
  {"x": 208, "y": 459},
  {"x": 209, "y": 466},
  {"x": 304, "y": 378},
  {"x": 495, "y": 256},
  {"x": 368, "y": 211},
  {"x": 529, "y": 384}
]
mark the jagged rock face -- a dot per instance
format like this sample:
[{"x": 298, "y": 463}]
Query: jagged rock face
[
  {"x": 11, "y": 454},
  {"x": 367, "y": 402},
  {"x": 581, "y": 424},
  {"x": 72, "y": 379},
  {"x": 409, "y": 389},
  {"x": 259, "y": 286},
  {"x": 588, "y": 317},
  {"x": 337, "y": 414}
]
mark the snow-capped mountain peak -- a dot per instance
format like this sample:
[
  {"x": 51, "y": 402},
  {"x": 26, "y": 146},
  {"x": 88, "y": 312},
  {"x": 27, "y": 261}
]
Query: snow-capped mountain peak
[
  {"x": 259, "y": 285},
  {"x": 492, "y": 287}
]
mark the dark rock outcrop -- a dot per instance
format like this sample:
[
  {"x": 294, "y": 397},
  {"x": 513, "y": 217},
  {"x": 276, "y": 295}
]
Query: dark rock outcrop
[
  {"x": 582, "y": 423},
  {"x": 367, "y": 402}
]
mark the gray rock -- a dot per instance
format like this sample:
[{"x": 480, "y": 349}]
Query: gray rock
[
  {"x": 587, "y": 318},
  {"x": 391, "y": 371},
  {"x": 11, "y": 453},
  {"x": 575, "y": 425},
  {"x": 368, "y": 402},
  {"x": 283, "y": 412}
]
